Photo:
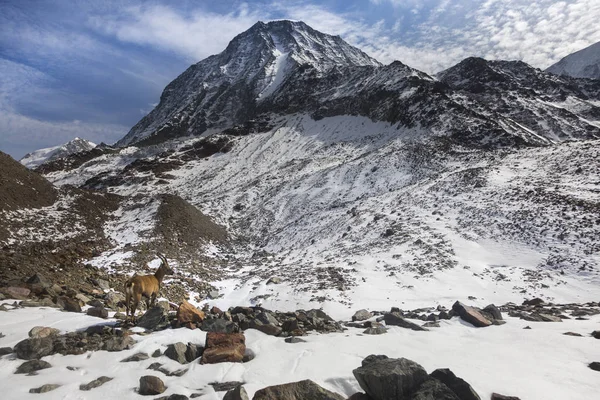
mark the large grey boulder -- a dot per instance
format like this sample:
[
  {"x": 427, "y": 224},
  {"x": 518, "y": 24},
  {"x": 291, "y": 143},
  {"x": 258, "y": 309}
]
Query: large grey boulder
[
  {"x": 433, "y": 389},
  {"x": 155, "y": 319},
  {"x": 459, "y": 386},
  {"x": 361, "y": 315},
  {"x": 30, "y": 349},
  {"x": 385, "y": 378},
  {"x": 151, "y": 385},
  {"x": 176, "y": 351},
  {"x": 31, "y": 366}
]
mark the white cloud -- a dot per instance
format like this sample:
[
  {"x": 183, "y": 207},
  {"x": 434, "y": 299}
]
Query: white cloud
[{"x": 195, "y": 35}]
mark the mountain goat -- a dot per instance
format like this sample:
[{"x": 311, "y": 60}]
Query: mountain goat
[{"x": 145, "y": 285}]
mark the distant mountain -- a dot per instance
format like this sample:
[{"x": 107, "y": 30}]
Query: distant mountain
[
  {"x": 581, "y": 64},
  {"x": 42, "y": 156}
]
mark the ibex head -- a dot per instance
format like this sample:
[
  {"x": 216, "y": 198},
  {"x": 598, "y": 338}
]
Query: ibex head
[{"x": 165, "y": 265}]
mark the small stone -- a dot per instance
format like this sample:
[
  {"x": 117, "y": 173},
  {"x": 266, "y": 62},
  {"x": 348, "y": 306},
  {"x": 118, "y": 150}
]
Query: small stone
[
  {"x": 136, "y": 357},
  {"x": 294, "y": 339},
  {"x": 594, "y": 365},
  {"x": 572, "y": 334},
  {"x": 31, "y": 366},
  {"x": 596, "y": 334},
  {"x": 151, "y": 385},
  {"x": 225, "y": 386},
  {"x": 496, "y": 396},
  {"x": 238, "y": 393},
  {"x": 362, "y": 315},
  {"x": 274, "y": 281},
  {"x": 95, "y": 383},
  {"x": 375, "y": 331},
  {"x": 249, "y": 355},
  {"x": 39, "y": 332},
  {"x": 99, "y": 312},
  {"x": 431, "y": 324},
  {"x": 44, "y": 388},
  {"x": 157, "y": 353}
]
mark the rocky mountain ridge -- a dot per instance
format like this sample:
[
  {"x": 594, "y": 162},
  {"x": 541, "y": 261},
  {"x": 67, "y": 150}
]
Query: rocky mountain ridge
[{"x": 42, "y": 156}]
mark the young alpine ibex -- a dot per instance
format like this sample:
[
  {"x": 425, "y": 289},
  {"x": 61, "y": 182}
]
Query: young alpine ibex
[{"x": 145, "y": 285}]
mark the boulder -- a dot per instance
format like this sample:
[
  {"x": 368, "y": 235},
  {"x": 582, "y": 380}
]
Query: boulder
[
  {"x": 15, "y": 292},
  {"x": 432, "y": 389},
  {"x": 68, "y": 304},
  {"x": 95, "y": 383},
  {"x": 534, "y": 302},
  {"x": 219, "y": 325},
  {"x": 151, "y": 385},
  {"x": 118, "y": 343},
  {"x": 30, "y": 349},
  {"x": 155, "y": 319},
  {"x": 361, "y": 315},
  {"x": 493, "y": 311},
  {"x": 136, "y": 357},
  {"x": 114, "y": 300},
  {"x": 31, "y": 366},
  {"x": 395, "y": 319},
  {"x": 187, "y": 313},
  {"x": 389, "y": 378},
  {"x": 249, "y": 355},
  {"x": 193, "y": 352},
  {"x": 471, "y": 315},
  {"x": 44, "y": 388},
  {"x": 594, "y": 365},
  {"x": 224, "y": 347},
  {"x": 459, "y": 386},
  {"x": 302, "y": 390},
  {"x": 38, "y": 332},
  {"x": 596, "y": 334},
  {"x": 238, "y": 393},
  {"x": 176, "y": 351},
  {"x": 99, "y": 312}
]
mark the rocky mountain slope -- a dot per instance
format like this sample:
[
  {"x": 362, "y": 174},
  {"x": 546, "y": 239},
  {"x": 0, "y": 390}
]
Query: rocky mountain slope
[
  {"x": 338, "y": 175},
  {"x": 584, "y": 63},
  {"x": 42, "y": 156}
]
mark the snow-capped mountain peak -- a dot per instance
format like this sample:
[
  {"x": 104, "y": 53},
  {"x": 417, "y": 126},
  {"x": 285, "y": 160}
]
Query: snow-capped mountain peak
[
  {"x": 41, "y": 156},
  {"x": 224, "y": 89},
  {"x": 584, "y": 63}
]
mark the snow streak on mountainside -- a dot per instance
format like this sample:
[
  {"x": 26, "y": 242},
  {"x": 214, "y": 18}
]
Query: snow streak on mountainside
[
  {"x": 39, "y": 157},
  {"x": 225, "y": 88},
  {"x": 581, "y": 64}
]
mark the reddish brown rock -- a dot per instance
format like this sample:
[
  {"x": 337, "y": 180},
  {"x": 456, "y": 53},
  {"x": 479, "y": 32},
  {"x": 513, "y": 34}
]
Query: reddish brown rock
[
  {"x": 224, "y": 347},
  {"x": 216, "y": 310},
  {"x": 471, "y": 315},
  {"x": 187, "y": 313}
]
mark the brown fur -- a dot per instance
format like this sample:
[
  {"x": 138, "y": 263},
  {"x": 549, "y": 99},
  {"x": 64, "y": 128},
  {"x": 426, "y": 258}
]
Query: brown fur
[{"x": 145, "y": 285}]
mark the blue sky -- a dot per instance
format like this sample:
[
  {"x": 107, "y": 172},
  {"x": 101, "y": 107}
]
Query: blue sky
[{"x": 93, "y": 68}]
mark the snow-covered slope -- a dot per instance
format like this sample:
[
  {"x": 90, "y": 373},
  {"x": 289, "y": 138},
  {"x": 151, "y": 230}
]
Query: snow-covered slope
[
  {"x": 39, "y": 157},
  {"x": 584, "y": 63}
]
